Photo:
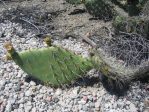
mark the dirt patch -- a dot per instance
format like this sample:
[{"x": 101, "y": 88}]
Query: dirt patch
[{"x": 54, "y": 17}]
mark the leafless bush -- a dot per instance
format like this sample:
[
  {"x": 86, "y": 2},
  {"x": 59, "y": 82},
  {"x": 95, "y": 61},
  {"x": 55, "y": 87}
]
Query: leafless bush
[
  {"x": 127, "y": 54},
  {"x": 131, "y": 49}
]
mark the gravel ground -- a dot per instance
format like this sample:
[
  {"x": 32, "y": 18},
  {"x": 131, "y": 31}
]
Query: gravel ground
[{"x": 19, "y": 95}]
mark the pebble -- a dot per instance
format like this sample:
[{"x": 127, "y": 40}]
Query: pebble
[
  {"x": 58, "y": 92},
  {"x": 22, "y": 95},
  {"x": 17, "y": 88},
  {"x": 97, "y": 105},
  {"x": 21, "y": 105},
  {"x": 40, "y": 96},
  {"x": 128, "y": 102},
  {"x": 82, "y": 102},
  {"x": 133, "y": 108},
  {"x": 49, "y": 98},
  {"x": 29, "y": 103},
  {"x": 19, "y": 74},
  {"x": 28, "y": 108},
  {"x": 85, "y": 98},
  {"x": 26, "y": 84},
  {"x": 33, "y": 88},
  {"x": 94, "y": 94},
  {"x": 56, "y": 100},
  {"x": 85, "y": 108},
  {"x": 34, "y": 110},
  {"x": 28, "y": 93},
  {"x": 80, "y": 107},
  {"x": 8, "y": 107},
  {"x": 76, "y": 91},
  {"x": 32, "y": 83},
  {"x": 15, "y": 106},
  {"x": 2, "y": 82},
  {"x": 42, "y": 91},
  {"x": 12, "y": 101}
]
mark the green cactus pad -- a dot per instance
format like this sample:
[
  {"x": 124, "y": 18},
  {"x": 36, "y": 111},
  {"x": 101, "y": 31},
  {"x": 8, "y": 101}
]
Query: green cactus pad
[{"x": 52, "y": 65}]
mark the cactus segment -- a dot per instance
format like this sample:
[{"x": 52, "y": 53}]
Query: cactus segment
[
  {"x": 139, "y": 25},
  {"x": 100, "y": 8},
  {"x": 74, "y": 1},
  {"x": 52, "y": 65}
]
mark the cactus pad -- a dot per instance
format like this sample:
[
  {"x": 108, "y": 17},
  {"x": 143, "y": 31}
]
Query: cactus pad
[
  {"x": 139, "y": 25},
  {"x": 51, "y": 65},
  {"x": 99, "y": 8}
]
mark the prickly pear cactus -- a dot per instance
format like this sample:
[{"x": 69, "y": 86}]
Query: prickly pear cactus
[
  {"x": 139, "y": 25},
  {"x": 99, "y": 8},
  {"x": 74, "y": 1},
  {"x": 52, "y": 65}
]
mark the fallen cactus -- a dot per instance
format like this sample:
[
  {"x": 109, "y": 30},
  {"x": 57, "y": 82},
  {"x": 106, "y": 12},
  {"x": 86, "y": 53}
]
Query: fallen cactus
[{"x": 119, "y": 59}]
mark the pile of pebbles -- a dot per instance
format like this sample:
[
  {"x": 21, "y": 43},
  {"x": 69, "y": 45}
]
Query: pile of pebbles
[{"x": 19, "y": 95}]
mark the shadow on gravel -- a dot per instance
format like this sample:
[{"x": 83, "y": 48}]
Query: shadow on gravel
[
  {"x": 93, "y": 81},
  {"x": 30, "y": 78},
  {"x": 144, "y": 79},
  {"x": 83, "y": 82},
  {"x": 117, "y": 88},
  {"x": 111, "y": 86},
  {"x": 88, "y": 81}
]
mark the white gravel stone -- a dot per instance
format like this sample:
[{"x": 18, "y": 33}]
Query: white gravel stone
[
  {"x": 28, "y": 108},
  {"x": 133, "y": 108},
  {"x": 76, "y": 91},
  {"x": 8, "y": 107},
  {"x": 19, "y": 74},
  {"x": 97, "y": 105},
  {"x": 32, "y": 83},
  {"x": 34, "y": 110},
  {"x": 2, "y": 82},
  {"x": 40, "y": 96},
  {"x": 28, "y": 93},
  {"x": 58, "y": 92},
  {"x": 21, "y": 105}
]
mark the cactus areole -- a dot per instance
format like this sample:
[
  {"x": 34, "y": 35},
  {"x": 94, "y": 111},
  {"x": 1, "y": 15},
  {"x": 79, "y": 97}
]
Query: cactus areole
[{"x": 52, "y": 65}]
